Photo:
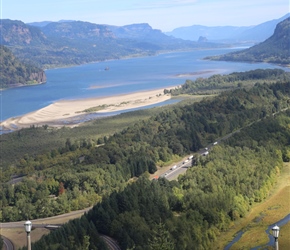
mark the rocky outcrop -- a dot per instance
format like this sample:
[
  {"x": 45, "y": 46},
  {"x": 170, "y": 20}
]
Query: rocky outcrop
[
  {"x": 39, "y": 77},
  {"x": 202, "y": 39}
]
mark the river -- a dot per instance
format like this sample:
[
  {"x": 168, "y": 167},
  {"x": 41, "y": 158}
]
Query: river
[
  {"x": 117, "y": 77},
  {"x": 271, "y": 241}
]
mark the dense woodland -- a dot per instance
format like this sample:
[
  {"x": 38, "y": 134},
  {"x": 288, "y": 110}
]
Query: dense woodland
[
  {"x": 113, "y": 172},
  {"x": 191, "y": 212},
  {"x": 218, "y": 83},
  {"x": 14, "y": 73}
]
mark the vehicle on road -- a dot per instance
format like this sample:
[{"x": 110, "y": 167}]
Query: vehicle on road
[{"x": 174, "y": 167}]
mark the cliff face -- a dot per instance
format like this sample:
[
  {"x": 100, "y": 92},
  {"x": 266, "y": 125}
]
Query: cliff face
[
  {"x": 39, "y": 77},
  {"x": 78, "y": 30}
]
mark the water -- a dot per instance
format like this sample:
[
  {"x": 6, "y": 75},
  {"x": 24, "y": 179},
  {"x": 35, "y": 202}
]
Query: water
[
  {"x": 271, "y": 242},
  {"x": 124, "y": 76}
]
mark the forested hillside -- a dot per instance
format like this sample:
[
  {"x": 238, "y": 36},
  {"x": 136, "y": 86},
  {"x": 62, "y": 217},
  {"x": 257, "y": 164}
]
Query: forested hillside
[
  {"x": 275, "y": 49},
  {"x": 14, "y": 73},
  {"x": 217, "y": 83},
  {"x": 80, "y": 173},
  {"x": 191, "y": 212}
]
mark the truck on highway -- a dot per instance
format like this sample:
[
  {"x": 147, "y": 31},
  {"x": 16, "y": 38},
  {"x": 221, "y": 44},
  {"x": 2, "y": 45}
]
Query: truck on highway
[{"x": 190, "y": 157}]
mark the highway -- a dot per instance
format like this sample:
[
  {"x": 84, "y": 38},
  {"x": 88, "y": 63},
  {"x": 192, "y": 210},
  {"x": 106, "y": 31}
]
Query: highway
[{"x": 182, "y": 166}]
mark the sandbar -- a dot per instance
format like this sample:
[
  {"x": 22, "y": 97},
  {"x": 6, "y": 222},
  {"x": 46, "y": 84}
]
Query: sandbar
[{"x": 59, "y": 114}]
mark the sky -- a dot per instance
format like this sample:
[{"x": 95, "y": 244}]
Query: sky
[{"x": 165, "y": 15}]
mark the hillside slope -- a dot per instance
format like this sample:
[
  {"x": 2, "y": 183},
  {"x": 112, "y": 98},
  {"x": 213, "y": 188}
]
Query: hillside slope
[
  {"x": 275, "y": 49},
  {"x": 14, "y": 73}
]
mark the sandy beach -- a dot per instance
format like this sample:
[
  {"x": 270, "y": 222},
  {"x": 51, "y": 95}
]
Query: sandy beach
[{"x": 60, "y": 113}]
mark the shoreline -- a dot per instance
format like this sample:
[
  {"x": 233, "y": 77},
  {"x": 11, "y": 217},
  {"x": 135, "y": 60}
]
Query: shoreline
[{"x": 63, "y": 113}]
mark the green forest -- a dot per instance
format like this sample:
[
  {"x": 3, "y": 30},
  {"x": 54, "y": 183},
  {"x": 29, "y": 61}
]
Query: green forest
[
  {"x": 111, "y": 172},
  {"x": 15, "y": 73},
  {"x": 191, "y": 212}
]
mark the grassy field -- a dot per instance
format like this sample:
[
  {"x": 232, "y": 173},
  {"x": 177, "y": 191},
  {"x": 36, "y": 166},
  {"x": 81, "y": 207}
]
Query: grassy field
[{"x": 254, "y": 225}]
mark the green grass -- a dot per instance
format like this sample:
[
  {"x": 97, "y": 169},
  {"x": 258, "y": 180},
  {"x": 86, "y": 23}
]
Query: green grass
[{"x": 273, "y": 209}]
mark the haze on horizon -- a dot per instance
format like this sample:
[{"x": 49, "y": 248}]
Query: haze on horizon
[{"x": 165, "y": 15}]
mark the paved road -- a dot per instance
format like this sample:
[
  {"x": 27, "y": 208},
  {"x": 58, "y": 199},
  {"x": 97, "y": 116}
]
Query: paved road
[
  {"x": 182, "y": 166},
  {"x": 111, "y": 243},
  {"x": 44, "y": 223},
  {"x": 7, "y": 243}
]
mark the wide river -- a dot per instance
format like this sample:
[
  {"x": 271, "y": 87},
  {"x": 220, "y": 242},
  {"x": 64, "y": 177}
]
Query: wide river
[{"x": 118, "y": 77}]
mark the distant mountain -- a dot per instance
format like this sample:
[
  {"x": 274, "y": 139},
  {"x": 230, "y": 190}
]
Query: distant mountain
[
  {"x": 145, "y": 34},
  {"x": 211, "y": 33},
  {"x": 44, "y": 23},
  {"x": 18, "y": 33},
  {"x": 142, "y": 31},
  {"x": 62, "y": 43},
  {"x": 14, "y": 73},
  {"x": 77, "y": 30},
  {"x": 230, "y": 34},
  {"x": 275, "y": 49},
  {"x": 39, "y": 24},
  {"x": 260, "y": 32}
]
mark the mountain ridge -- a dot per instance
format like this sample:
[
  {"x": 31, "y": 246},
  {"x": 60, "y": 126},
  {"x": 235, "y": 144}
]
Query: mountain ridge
[
  {"x": 253, "y": 34},
  {"x": 58, "y": 44},
  {"x": 275, "y": 49}
]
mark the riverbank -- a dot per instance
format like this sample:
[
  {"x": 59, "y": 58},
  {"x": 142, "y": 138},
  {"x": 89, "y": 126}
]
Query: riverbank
[
  {"x": 263, "y": 214},
  {"x": 62, "y": 113}
]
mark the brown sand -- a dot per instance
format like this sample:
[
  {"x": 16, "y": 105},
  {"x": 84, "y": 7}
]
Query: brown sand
[{"x": 58, "y": 113}]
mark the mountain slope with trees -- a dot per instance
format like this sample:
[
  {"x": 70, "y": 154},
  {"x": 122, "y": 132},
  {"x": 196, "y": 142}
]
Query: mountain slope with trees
[
  {"x": 15, "y": 73},
  {"x": 275, "y": 49},
  {"x": 192, "y": 212}
]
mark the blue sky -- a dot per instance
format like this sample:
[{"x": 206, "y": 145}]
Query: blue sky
[{"x": 160, "y": 14}]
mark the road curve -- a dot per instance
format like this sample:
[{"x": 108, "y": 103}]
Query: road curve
[
  {"x": 111, "y": 243},
  {"x": 7, "y": 243}
]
